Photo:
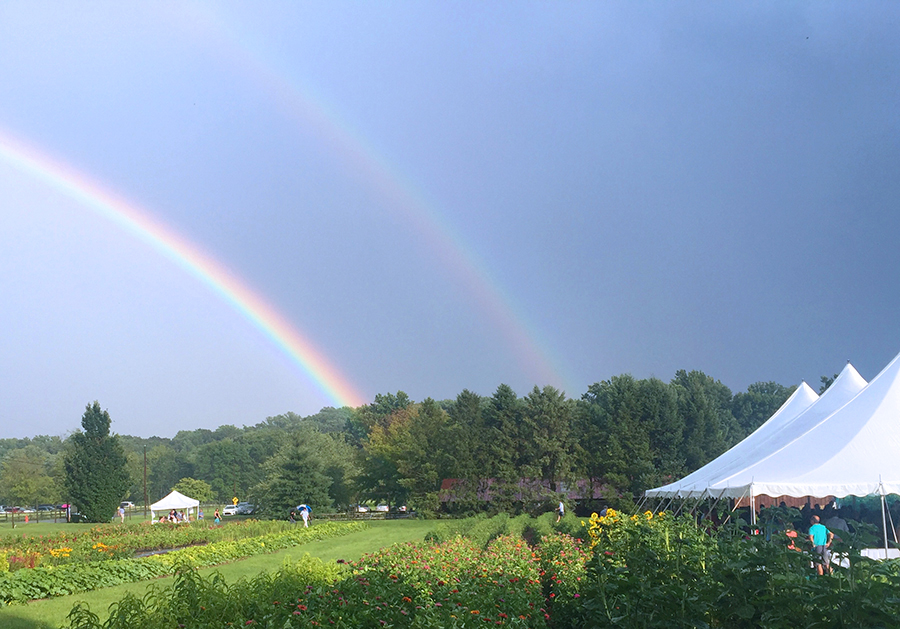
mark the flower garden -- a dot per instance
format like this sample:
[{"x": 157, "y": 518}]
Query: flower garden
[
  {"x": 40, "y": 567},
  {"x": 646, "y": 570}
]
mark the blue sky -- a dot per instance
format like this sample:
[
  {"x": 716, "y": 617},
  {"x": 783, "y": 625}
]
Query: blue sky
[{"x": 444, "y": 196}]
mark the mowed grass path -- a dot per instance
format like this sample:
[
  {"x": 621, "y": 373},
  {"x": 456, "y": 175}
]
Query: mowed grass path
[{"x": 51, "y": 613}]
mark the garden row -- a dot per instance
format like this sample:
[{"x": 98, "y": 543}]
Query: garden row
[
  {"x": 62, "y": 580},
  {"x": 115, "y": 541},
  {"x": 453, "y": 584},
  {"x": 649, "y": 570}
]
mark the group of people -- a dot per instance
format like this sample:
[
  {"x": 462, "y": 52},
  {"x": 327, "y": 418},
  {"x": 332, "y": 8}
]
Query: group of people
[{"x": 175, "y": 516}]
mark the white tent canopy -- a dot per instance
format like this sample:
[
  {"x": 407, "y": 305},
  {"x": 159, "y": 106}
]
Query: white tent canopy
[
  {"x": 852, "y": 451},
  {"x": 699, "y": 480},
  {"x": 800, "y": 414},
  {"x": 175, "y": 500}
]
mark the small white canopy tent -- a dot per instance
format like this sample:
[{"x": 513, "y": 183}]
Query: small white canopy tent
[
  {"x": 175, "y": 500},
  {"x": 802, "y": 412}
]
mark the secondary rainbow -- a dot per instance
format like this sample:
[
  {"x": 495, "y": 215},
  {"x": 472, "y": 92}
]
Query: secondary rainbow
[
  {"x": 299, "y": 102},
  {"x": 190, "y": 257}
]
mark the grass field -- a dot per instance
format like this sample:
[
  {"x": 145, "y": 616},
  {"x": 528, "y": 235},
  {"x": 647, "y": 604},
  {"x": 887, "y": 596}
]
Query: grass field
[{"x": 51, "y": 613}]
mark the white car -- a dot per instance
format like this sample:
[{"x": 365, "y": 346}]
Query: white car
[{"x": 230, "y": 510}]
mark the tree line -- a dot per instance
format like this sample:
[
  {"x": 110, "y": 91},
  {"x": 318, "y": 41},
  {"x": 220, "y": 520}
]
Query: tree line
[{"x": 497, "y": 452}]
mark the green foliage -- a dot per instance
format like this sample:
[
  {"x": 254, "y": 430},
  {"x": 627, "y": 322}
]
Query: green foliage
[
  {"x": 312, "y": 468},
  {"x": 27, "y": 477},
  {"x": 548, "y": 437},
  {"x": 62, "y": 580},
  {"x": 97, "y": 477},
  {"x": 758, "y": 404},
  {"x": 504, "y": 453},
  {"x": 454, "y": 584},
  {"x": 655, "y": 570},
  {"x": 643, "y": 571},
  {"x": 709, "y": 427},
  {"x": 406, "y": 455},
  {"x": 196, "y": 489}
]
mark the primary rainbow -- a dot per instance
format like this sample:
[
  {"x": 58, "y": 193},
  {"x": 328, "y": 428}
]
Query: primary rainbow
[{"x": 189, "y": 256}]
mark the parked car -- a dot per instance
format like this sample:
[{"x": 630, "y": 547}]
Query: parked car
[
  {"x": 126, "y": 505},
  {"x": 383, "y": 508},
  {"x": 46, "y": 508},
  {"x": 361, "y": 509},
  {"x": 244, "y": 508},
  {"x": 230, "y": 510}
]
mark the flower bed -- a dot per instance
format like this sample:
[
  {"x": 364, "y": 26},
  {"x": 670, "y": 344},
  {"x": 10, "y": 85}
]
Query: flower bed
[
  {"x": 454, "y": 584},
  {"x": 116, "y": 541},
  {"x": 62, "y": 580},
  {"x": 642, "y": 571}
]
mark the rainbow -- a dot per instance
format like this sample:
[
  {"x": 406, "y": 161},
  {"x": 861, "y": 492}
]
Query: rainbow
[
  {"x": 308, "y": 111},
  {"x": 189, "y": 256}
]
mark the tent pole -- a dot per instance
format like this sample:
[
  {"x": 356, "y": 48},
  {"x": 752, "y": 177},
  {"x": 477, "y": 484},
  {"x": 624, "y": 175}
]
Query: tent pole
[
  {"x": 699, "y": 500},
  {"x": 640, "y": 504},
  {"x": 893, "y": 528},
  {"x": 884, "y": 523},
  {"x": 668, "y": 503},
  {"x": 708, "y": 513}
]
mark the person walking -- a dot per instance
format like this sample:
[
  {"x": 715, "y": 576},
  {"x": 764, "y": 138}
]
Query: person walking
[
  {"x": 560, "y": 511},
  {"x": 216, "y": 515},
  {"x": 122, "y": 513},
  {"x": 304, "y": 514},
  {"x": 821, "y": 539}
]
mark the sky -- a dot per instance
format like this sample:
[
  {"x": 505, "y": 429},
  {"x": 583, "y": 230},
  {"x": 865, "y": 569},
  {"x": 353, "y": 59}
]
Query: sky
[{"x": 214, "y": 213}]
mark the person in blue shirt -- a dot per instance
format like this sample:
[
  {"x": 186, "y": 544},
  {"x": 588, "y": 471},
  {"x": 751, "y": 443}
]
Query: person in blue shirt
[{"x": 821, "y": 539}]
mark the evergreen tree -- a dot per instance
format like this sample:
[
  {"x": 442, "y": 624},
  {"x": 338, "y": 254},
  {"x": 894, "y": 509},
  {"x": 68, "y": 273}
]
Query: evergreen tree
[
  {"x": 303, "y": 471},
  {"x": 549, "y": 442},
  {"x": 97, "y": 476},
  {"x": 618, "y": 432}
]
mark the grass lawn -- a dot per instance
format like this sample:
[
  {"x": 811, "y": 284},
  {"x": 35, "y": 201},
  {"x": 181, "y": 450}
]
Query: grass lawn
[{"x": 51, "y": 613}]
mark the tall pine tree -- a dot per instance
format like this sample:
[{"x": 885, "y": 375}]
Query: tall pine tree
[{"x": 97, "y": 477}]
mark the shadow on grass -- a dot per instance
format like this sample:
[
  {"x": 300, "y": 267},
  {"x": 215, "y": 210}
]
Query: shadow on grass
[{"x": 9, "y": 620}]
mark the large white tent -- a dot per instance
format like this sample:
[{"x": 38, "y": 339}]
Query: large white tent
[
  {"x": 852, "y": 451},
  {"x": 802, "y": 412},
  {"x": 846, "y": 443},
  {"x": 699, "y": 480},
  {"x": 175, "y": 500}
]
